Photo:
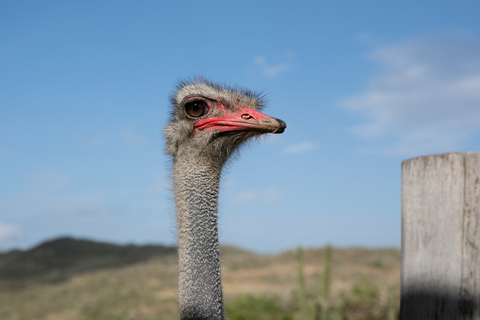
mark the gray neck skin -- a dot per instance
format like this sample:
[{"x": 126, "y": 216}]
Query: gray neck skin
[{"x": 196, "y": 196}]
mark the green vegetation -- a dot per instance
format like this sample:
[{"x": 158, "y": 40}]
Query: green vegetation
[
  {"x": 364, "y": 300},
  {"x": 264, "y": 307},
  {"x": 306, "y": 284}
]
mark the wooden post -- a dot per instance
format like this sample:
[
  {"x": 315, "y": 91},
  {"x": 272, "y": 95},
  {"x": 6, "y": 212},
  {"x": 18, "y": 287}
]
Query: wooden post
[
  {"x": 471, "y": 236},
  {"x": 441, "y": 237}
]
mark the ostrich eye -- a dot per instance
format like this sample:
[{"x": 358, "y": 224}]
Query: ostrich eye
[{"x": 196, "y": 109}]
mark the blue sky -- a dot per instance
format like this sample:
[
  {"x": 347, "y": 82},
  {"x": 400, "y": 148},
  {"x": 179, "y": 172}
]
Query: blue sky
[{"x": 362, "y": 85}]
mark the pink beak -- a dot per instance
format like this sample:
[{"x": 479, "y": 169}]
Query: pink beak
[{"x": 246, "y": 119}]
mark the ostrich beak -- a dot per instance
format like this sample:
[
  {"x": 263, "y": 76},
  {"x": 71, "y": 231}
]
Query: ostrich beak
[{"x": 245, "y": 119}]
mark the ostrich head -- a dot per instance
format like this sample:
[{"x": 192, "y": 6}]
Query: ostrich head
[{"x": 211, "y": 121}]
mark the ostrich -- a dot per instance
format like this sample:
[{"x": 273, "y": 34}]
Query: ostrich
[{"x": 208, "y": 123}]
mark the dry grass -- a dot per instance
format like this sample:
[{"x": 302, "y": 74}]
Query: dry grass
[
  {"x": 249, "y": 273},
  {"x": 148, "y": 290}
]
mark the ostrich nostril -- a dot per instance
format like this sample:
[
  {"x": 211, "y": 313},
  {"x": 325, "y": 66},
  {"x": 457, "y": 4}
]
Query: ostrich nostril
[{"x": 247, "y": 116}]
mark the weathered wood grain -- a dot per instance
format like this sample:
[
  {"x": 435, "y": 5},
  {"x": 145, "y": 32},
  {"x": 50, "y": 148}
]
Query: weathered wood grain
[
  {"x": 433, "y": 193},
  {"x": 471, "y": 238}
]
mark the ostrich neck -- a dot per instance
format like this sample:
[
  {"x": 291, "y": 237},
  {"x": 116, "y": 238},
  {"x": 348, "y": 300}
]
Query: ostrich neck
[{"x": 196, "y": 196}]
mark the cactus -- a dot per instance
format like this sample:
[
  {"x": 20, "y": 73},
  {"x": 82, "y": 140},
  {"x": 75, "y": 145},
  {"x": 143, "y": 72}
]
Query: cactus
[
  {"x": 302, "y": 292},
  {"x": 327, "y": 270}
]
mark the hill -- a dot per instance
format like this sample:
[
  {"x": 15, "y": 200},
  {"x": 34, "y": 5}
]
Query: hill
[{"x": 62, "y": 258}]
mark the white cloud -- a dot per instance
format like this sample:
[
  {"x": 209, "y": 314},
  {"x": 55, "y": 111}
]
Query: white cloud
[
  {"x": 33, "y": 204},
  {"x": 425, "y": 97},
  {"x": 126, "y": 135},
  {"x": 270, "y": 196},
  {"x": 314, "y": 230},
  {"x": 301, "y": 147},
  {"x": 51, "y": 178},
  {"x": 365, "y": 38},
  {"x": 8, "y": 232},
  {"x": 271, "y": 70},
  {"x": 130, "y": 138},
  {"x": 95, "y": 142},
  {"x": 41, "y": 216},
  {"x": 4, "y": 153}
]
